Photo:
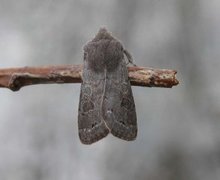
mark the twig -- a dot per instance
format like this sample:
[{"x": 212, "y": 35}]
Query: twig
[{"x": 15, "y": 78}]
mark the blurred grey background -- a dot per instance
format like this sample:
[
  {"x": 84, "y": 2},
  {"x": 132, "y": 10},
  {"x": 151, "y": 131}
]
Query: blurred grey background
[{"x": 179, "y": 128}]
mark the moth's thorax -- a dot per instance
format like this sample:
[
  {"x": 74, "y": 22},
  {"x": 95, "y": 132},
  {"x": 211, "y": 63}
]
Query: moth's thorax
[{"x": 103, "y": 52}]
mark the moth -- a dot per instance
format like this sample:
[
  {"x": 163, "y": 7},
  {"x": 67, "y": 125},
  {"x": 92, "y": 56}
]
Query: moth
[{"x": 106, "y": 102}]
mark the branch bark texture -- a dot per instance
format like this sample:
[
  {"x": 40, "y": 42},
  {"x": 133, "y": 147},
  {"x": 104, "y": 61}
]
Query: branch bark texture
[{"x": 15, "y": 78}]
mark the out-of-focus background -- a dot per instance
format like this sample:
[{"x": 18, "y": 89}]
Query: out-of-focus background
[{"x": 179, "y": 128}]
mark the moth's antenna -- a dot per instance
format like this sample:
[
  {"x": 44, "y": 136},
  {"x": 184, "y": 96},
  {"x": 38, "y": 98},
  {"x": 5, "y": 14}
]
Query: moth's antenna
[{"x": 129, "y": 57}]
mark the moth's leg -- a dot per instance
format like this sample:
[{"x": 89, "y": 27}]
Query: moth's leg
[{"x": 129, "y": 58}]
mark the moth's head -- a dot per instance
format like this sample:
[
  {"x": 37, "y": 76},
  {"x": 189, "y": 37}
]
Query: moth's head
[{"x": 103, "y": 34}]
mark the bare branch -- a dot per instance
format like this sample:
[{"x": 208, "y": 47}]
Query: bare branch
[{"x": 15, "y": 78}]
